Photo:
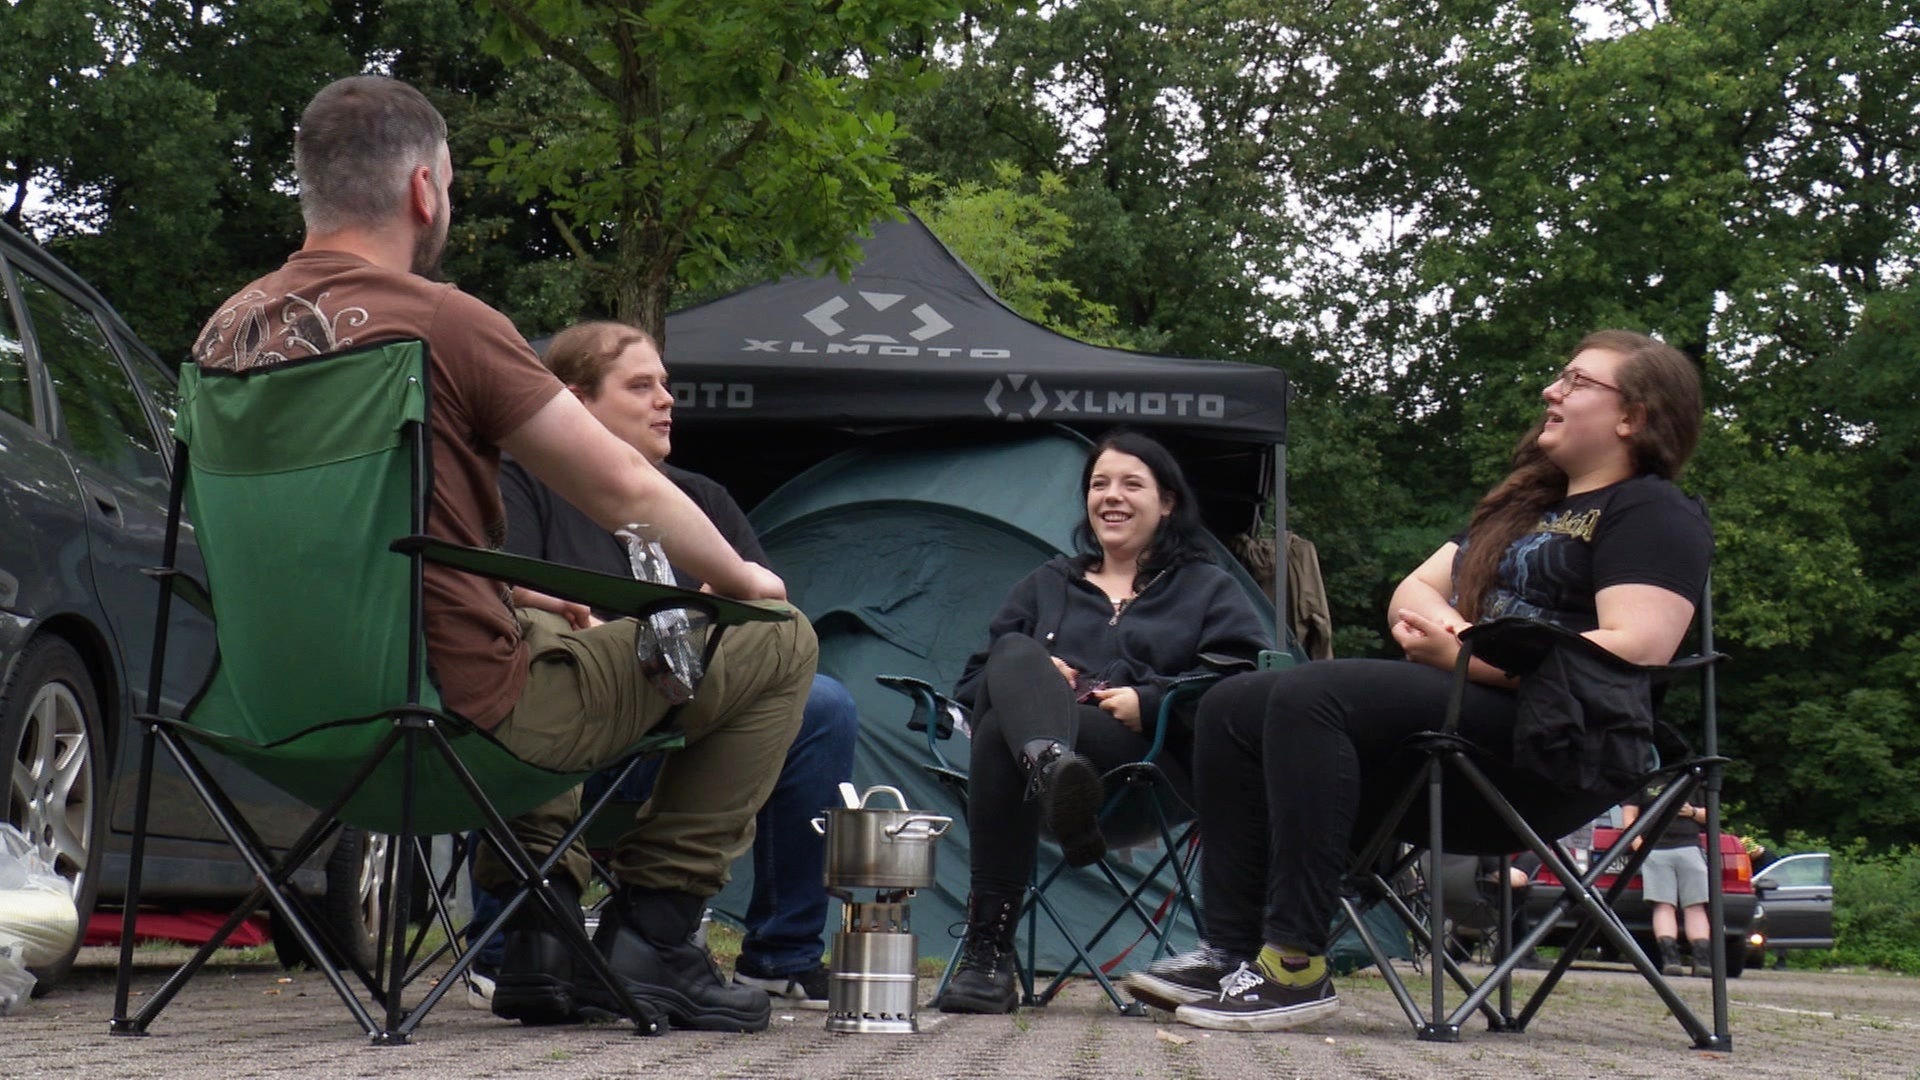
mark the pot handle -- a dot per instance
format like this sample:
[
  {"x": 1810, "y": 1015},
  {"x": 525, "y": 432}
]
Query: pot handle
[
  {"x": 935, "y": 825},
  {"x": 889, "y": 789},
  {"x": 820, "y": 825}
]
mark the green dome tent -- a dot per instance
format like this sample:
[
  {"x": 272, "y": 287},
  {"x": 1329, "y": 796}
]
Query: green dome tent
[
  {"x": 914, "y": 446},
  {"x": 900, "y": 551}
]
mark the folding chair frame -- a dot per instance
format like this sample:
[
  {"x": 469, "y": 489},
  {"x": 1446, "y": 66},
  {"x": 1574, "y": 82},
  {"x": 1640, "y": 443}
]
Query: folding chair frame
[
  {"x": 1446, "y": 749},
  {"x": 417, "y": 731},
  {"x": 1143, "y": 779}
]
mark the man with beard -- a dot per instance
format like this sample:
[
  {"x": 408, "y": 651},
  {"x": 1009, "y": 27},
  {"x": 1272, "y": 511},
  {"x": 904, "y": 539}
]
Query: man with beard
[{"x": 375, "y": 187}]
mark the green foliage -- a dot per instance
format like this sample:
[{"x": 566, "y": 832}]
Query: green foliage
[
  {"x": 1012, "y": 234},
  {"x": 671, "y": 138},
  {"x": 1783, "y": 520},
  {"x": 1415, "y": 209},
  {"x": 158, "y": 135},
  {"x": 1156, "y": 113},
  {"x": 1876, "y": 908}
]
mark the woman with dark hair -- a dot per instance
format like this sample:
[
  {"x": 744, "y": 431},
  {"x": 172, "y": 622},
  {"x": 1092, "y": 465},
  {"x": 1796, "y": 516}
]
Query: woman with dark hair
[
  {"x": 1588, "y": 532},
  {"x": 1070, "y": 685}
]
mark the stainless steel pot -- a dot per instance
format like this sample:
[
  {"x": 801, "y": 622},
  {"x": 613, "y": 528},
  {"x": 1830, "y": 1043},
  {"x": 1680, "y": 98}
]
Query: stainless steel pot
[{"x": 873, "y": 847}]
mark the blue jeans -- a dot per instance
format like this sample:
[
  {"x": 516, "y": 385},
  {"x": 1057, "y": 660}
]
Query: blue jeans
[{"x": 787, "y": 914}]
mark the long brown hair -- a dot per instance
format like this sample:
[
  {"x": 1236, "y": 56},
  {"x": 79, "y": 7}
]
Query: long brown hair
[
  {"x": 1658, "y": 381},
  {"x": 580, "y": 355}
]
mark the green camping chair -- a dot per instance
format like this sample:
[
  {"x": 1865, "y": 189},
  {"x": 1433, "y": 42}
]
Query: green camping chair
[
  {"x": 316, "y": 471},
  {"x": 1141, "y": 807},
  {"x": 1522, "y": 646}
]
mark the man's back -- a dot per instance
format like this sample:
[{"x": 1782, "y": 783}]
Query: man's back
[{"x": 485, "y": 382}]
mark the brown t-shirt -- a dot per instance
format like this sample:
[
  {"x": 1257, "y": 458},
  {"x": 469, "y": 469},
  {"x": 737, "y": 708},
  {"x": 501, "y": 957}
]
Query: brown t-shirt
[{"x": 485, "y": 381}]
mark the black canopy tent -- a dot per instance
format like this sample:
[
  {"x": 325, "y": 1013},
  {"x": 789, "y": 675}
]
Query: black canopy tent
[
  {"x": 775, "y": 378},
  {"x": 906, "y": 424}
]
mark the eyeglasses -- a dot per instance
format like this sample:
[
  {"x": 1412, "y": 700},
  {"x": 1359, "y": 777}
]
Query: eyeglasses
[{"x": 1575, "y": 380}]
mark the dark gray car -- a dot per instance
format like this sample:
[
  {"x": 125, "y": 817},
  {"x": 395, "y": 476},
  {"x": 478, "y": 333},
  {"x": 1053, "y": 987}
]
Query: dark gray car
[
  {"x": 1796, "y": 900},
  {"x": 85, "y": 459}
]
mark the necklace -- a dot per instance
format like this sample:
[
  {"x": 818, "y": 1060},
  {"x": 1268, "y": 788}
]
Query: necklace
[{"x": 1121, "y": 605}]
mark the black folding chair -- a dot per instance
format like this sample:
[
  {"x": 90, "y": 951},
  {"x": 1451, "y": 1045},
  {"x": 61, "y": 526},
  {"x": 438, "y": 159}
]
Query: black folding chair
[
  {"x": 1520, "y": 646},
  {"x": 1142, "y": 809}
]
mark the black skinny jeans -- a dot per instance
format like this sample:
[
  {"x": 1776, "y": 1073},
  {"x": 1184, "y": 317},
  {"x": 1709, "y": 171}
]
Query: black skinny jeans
[
  {"x": 1020, "y": 697},
  {"x": 1295, "y": 767}
]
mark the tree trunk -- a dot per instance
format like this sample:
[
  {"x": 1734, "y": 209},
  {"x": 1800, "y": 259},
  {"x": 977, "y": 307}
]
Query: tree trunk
[{"x": 643, "y": 275}]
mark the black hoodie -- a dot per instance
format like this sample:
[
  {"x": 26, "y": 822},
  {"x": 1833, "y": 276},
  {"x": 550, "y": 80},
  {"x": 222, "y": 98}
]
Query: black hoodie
[{"x": 1189, "y": 609}]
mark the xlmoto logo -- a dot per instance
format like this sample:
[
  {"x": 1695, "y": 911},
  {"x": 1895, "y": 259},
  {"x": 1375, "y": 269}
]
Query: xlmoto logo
[
  {"x": 1021, "y": 397},
  {"x": 886, "y": 328},
  {"x": 931, "y": 323},
  {"x": 1016, "y": 409}
]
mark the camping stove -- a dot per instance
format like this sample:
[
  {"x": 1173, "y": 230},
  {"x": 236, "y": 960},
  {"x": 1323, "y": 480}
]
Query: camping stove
[{"x": 873, "y": 984}]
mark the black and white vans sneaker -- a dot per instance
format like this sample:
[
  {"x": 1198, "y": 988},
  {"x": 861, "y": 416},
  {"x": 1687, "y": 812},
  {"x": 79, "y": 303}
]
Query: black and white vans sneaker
[
  {"x": 1173, "y": 981},
  {"x": 1247, "y": 1000}
]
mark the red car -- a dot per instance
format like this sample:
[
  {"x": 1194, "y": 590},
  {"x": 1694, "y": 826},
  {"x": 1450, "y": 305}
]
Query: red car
[{"x": 1736, "y": 883}]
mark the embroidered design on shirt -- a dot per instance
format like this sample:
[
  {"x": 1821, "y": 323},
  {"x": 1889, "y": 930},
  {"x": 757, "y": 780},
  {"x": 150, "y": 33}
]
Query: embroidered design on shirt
[{"x": 305, "y": 329}]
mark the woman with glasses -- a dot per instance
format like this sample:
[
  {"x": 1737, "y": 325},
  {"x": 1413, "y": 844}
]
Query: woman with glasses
[{"x": 1292, "y": 767}]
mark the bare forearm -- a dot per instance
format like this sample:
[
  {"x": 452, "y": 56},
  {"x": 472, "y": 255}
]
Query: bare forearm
[
  {"x": 1417, "y": 596},
  {"x": 615, "y": 485}
]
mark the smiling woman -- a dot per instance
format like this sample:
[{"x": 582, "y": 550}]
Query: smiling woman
[{"x": 1078, "y": 661}]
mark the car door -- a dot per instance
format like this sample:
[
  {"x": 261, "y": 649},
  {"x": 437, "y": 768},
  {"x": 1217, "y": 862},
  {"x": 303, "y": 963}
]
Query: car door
[
  {"x": 111, "y": 428},
  {"x": 43, "y": 566},
  {"x": 1800, "y": 905}
]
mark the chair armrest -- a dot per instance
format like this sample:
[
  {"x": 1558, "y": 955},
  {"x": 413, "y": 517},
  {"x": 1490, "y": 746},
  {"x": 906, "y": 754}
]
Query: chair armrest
[
  {"x": 610, "y": 592},
  {"x": 1517, "y": 646},
  {"x": 1276, "y": 659},
  {"x": 1225, "y": 664},
  {"x": 928, "y": 701}
]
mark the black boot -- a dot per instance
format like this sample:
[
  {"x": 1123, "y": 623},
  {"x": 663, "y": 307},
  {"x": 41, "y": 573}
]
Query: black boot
[
  {"x": 1700, "y": 958},
  {"x": 1070, "y": 794},
  {"x": 647, "y": 936},
  {"x": 535, "y": 984},
  {"x": 1669, "y": 956},
  {"x": 985, "y": 981}
]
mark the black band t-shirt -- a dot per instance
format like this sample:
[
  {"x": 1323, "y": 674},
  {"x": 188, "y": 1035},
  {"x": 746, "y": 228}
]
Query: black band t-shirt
[{"x": 1641, "y": 531}]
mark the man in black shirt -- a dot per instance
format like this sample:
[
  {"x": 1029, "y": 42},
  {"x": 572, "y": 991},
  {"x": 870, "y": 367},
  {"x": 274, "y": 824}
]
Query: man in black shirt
[{"x": 617, "y": 373}]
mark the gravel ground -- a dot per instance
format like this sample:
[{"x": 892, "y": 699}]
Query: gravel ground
[{"x": 255, "y": 1020}]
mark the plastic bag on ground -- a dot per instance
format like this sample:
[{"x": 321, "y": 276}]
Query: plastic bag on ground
[
  {"x": 16, "y": 982},
  {"x": 38, "y": 920}
]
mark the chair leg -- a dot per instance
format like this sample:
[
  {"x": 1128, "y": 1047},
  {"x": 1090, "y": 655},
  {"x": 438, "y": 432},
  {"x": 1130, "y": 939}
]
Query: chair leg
[
  {"x": 1355, "y": 915},
  {"x": 1504, "y": 947},
  {"x": 122, "y": 1024},
  {"x": 1039, "y": 902},
  {"x": 1155, "y": 923},
  {"x": 1721, "y": 1037},
  {"x": 271, "y": 877},
  {"x": 1435, "y": 1029},
  {"x": 532, "y": 875},
  {"x": 1579, "y": 892},
  {"x": 394, "y": 915}
]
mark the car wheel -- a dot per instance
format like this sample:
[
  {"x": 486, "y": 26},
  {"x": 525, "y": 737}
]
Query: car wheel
[
  {"x": 350, "y": 908},
  {"x": 50, "y": 727},
  {"x": 1736, "y": 955}
]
